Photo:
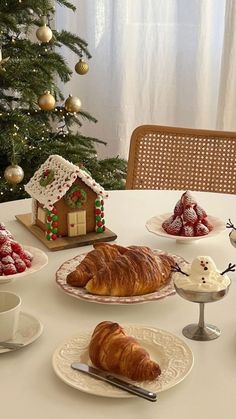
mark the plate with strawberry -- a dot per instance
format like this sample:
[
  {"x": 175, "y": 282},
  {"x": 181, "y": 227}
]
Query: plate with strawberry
[
  {"x": 17, "y": 260},
  {"x": 188, "y": 221}
]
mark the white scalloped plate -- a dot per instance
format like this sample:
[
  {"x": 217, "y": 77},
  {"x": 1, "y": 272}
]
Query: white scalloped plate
[
  {"x": 40, "y": 260},
  {"x": 82, "y": 294},
  {"x": 154, "y": 225},
  {"x": 172, "y": 354}
]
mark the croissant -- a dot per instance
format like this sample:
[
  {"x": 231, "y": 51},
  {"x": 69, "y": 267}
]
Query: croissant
[
  {"x": 138, "y": 271},
  {"x": 92, "y": 263},
  {"x": 112, "y": 350}
]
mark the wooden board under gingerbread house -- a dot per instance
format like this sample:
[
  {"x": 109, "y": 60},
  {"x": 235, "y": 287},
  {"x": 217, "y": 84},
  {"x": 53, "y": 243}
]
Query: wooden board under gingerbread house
[
  {"x": 67, "y": 206},
  {"x": 65, "y": 242}
]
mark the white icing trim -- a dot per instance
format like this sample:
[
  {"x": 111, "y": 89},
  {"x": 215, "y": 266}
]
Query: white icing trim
[{"x": 65, "y": 174}]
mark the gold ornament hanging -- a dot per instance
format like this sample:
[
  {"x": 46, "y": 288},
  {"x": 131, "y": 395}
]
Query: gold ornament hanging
[
  {"x": 44, "y": 33},
  {"x": 73, "y": 104},
  {"x": 3, "y": 61},
  {"x": 14, "y": 174},
  {"x": 46, "y": 101},
  {"x": 81, "y": 67}
]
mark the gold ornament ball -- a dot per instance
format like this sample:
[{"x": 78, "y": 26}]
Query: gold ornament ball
[
  {"x": 44, "y": 33},
  {"x": 81, "y": 67},
  {"x": 46, "y": 101},
  {"x": 73, "y": 104},
  {"x": 14, "y": 174}
]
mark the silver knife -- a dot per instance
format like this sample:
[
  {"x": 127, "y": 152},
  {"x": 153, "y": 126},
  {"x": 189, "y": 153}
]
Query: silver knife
[{"x": 115, "y": 381}]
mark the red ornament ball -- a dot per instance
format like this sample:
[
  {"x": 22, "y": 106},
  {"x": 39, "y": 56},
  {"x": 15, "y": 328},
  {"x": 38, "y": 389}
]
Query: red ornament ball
[{"x": 54, "y": 236}]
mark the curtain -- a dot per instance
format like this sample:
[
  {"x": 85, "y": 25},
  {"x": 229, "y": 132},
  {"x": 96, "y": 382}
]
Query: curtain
[{"x": 165, "y": 62}]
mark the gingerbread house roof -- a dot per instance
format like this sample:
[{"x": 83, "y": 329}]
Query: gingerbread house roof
[{"x": 65, "y": 173}]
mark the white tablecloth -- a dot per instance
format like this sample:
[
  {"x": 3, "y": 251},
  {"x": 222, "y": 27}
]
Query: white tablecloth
[{"x": 29, "y": 388}]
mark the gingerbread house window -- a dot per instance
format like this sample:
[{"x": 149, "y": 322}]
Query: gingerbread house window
[{"x": 41, "y": 215}]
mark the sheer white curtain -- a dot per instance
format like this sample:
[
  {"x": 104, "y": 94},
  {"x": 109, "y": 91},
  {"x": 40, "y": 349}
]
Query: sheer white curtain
[{"x": 169, "y": 62}]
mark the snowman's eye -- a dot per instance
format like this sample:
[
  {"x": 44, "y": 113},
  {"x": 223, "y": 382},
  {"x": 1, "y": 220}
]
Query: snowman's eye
[{"x": 206, "y": 262}]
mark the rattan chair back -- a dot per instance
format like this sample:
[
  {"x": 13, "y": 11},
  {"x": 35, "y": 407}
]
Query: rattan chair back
[{"x": 181, "y": 158}]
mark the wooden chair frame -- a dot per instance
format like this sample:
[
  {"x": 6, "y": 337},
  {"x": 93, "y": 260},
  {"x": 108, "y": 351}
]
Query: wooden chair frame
[{"x": 182, "y": 158}]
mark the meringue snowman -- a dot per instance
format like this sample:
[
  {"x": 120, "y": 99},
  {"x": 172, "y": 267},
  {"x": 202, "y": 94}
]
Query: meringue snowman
[{"x": 202, "y": 275}]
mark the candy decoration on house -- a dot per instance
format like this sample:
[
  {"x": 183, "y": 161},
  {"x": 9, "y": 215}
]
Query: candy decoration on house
[
  {"x": 73, "y": 104},
  {"x": 81, "y": 67},
  {"x": 44, "y": 34},
  {"x": 46, "y": 101},
  {"x": 67, "y": 201},
  {"x": 14, "y": 174}
]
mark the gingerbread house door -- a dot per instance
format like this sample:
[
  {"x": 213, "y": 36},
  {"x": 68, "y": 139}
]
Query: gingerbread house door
[{"x": 76, "y": 223}]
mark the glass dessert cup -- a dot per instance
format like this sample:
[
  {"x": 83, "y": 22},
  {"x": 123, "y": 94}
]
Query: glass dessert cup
[{"x": 201, "y": 331}]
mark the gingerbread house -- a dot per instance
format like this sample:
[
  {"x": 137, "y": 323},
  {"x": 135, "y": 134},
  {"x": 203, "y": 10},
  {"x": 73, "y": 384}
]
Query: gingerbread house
[{"x": 66, "y": 200}]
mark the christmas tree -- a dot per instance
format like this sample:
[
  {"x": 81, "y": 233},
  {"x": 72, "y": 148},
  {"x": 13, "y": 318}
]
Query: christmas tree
[{"x": 35, "y": 119}]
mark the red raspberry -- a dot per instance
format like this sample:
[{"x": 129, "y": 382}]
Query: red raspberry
[
  {"x": 9, "y": 269},
  {"x": 189, "y": 215},
  {"x": 207, "y": 224},
  {"x": 16, "y": 247},
  {"x": 15, "y": 256},
  {"x": 187, "y": 230},
  {"x": 5, "y": 249},
  {"x": 187, "y": 199},
  {"x": 20, "y": 265},
  {"x": 201, "y": 213},
  {"x": 7, "y": 259},
  {"x": 178, "y": 210},
  {"x": 201, "y": 229},
  {"x": 9, "y": 235},
  {"x": 3, "y": 236},
  {"x": 175, "y": 227},
  {"x": 2, "y": 226},
  {"x": 167, "y": 222}
]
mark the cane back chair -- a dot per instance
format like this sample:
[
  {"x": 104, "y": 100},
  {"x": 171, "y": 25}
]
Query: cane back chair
[{"x": 182, "y": 158}]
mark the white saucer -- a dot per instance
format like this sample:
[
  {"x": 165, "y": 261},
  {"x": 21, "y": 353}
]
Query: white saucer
[{"x": 29, "y": 330}]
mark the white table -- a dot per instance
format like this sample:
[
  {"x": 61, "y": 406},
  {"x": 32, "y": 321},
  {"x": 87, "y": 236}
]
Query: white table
[{"x": 29, "y": 389}]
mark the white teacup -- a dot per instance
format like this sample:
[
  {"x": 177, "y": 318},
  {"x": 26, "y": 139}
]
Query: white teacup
[{"x": 9, "y": 315}]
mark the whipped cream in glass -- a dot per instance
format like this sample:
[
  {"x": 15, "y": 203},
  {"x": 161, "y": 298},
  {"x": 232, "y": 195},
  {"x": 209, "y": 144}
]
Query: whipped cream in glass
[{"x": 202, "y": 275}]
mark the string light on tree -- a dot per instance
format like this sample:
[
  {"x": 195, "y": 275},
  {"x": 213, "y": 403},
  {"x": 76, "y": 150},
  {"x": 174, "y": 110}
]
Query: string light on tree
[
  {"x": 44, "y": 33},
  {"x": 73, "y": 104},
  {"x": 14, "y": 174},
  {"x": 81, "y": 67},
  {"x": 46, "y": 101}
]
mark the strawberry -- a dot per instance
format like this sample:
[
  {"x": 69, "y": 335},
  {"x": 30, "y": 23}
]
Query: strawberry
[
  {"x": 2, "y": 226},
  {"x": 167, "y": 222},
  {"x": 187, "y": 199},
  {"x": 7, "y": 259},
  {"x": 20, "y": 265},
  {"x": 201, "y": 229},
  {"x": 178, "y": 210},
  {"x": 3, "y": 236},
  {"x": 9, "y": 269},
  {"x": 27, "y": 262},
  {"x": 207, "y": 224},
  {"x": 16, "y": 247},
  {"x": 201, "y": 213},
  {"x": 5, "y": 249},
  {"x": 15, "y": 256},
  {"x": 175, "y": 227},
  {"x": 189, "y": 215},
  {"x": 187, "y": 230}
]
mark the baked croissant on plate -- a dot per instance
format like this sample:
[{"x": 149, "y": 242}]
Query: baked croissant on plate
[
  {"x": 112, "y": 350},
  {"x": 121, "y": 271}
]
